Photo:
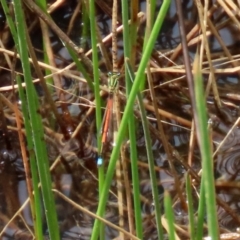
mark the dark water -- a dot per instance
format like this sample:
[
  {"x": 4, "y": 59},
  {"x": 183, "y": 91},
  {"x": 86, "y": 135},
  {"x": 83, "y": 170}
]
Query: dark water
[{"x": 75, "y": 175}]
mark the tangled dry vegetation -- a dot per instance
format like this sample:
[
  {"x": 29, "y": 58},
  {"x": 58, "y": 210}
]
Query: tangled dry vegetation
[{"x": 67, "y": 106}]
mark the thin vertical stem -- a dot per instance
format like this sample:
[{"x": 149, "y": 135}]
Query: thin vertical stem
[{"x": 114, "y": 36}]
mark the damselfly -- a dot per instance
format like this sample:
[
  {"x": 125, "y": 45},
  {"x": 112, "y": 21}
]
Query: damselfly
[{"x": 108, "y": 118}]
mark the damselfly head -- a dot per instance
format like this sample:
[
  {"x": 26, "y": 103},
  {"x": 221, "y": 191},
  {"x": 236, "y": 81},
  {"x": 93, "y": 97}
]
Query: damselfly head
[{"x": 112, "y": 74}]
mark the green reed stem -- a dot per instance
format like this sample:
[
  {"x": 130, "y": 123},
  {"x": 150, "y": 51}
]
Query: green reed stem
[
  {"x": 206, "y": 153},
  {"x": 95, "y": 69},
  {"x": 36, "y": 126},
  {"x": 37, "y": 206},
  {"x": 10, "y": 22},
  {"x": 190, "y": 207},
  {"x": 169, "y": 216},
  {"x": 132, "y": 128},
  {"x": 201, "y": 212},
  {"x": 97, "y": 100},
  {"x": 151, "y": 164},
  {"x": 127, "y": 112}
]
